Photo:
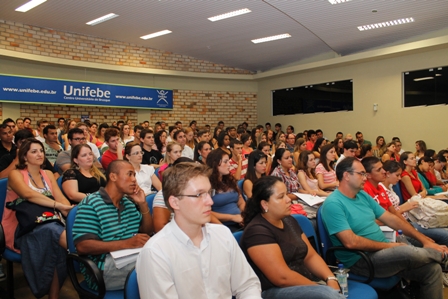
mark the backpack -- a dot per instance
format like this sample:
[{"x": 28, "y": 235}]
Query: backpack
[{"x": 430, "y": 213}]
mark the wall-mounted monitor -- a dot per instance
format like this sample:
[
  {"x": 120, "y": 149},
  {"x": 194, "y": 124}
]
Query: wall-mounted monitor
[
  {"x": 426, "y": 87},
  {"x": 323, "y": 97}
]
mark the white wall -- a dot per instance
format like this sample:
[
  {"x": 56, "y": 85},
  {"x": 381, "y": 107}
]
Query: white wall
[{"x": 374, "y": 81}]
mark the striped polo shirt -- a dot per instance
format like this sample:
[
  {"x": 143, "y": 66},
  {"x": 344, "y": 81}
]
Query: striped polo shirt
[{"x": 98, "y": 219}]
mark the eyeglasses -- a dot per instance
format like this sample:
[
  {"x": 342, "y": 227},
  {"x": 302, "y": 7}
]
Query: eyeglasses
[
  {"x": 137, "y": 153},
  {"x": 202, "y": 195},
  {"x": 79, "y": 139},
  {"x": 361, "y": 173}
]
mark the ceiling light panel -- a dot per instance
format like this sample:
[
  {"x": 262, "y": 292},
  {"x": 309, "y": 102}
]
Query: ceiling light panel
[
  {"x": 30, "y": 5},
  {"x": 386, "y": 24},
  {"x": 271, "y": 38},
  {"x": 156, "y": 34},
  {"x": 338, "y": 1},
  {"x": 102, "y": 19},
  {"x": 230, "y": 14}
]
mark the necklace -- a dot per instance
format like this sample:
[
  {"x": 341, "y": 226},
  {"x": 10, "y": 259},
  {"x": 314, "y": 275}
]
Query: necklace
[{"x": 34, "y": 182}]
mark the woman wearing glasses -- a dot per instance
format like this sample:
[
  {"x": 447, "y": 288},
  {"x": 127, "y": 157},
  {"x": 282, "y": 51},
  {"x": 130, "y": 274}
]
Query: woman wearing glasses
[
  {"x": 228, "y": 203},
  {"x": 83, "y": 177},
  {"x": 145, "y": 174}
]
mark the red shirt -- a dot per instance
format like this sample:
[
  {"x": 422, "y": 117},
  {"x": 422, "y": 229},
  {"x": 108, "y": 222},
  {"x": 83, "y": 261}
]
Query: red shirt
[
  {"x": 415, "y": 182},
  {"x": 309, "y": 145},
  {"x": 107, "y": 158},
  {"x": 378, "y": 194},
  {"x": 431, "y": 178}
]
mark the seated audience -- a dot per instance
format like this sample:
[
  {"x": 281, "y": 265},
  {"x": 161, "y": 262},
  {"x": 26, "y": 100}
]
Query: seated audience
[
  {"x": 277, "y": 249},
  {"x": 290, "y": 142},
  {"x": 326, "y": 176},
  {"x": 51, "y": 144},
  {"x": 265, "y": 148},
  {"x": 426, "y": 177},
  {"x": 70, "y": 124},
  {"x": 299, "y": 147},
  {"x": 7, "y": 147},
  {"x": 216, "y": 133},
  {"x": 338, "y": 146},
  {"x": 114, "y": 218},
  {"x": 38, "y": 133},
  {"x": 42, "y": 246},
  {"x": 361, "y": 140},
  {"x": 350, "y": 148},
  {"x": 189, "y": 244},
  {"x": 160, "y": 141},
  {"x": 83, "y": 177},
  {"x": 246, "y": 141},
  {"x": 224, "y": 142},
  {"x": 366, "y": 151},
  {"x": 255, "y": 170},
  {"x": 349, "y": 217},
  {"x": 389, "y": 153},
  {"x": 93, "y": 128},
  {"x": 320, "y": 142},
  {"x": 94, "y": 148},
  {"x": 173, "y": 152},
  {"x": 115, "y": 151},
  {"x": 379, "y": 148},
  {"x": 145, "y": 174},
  {"x": 75, "y": 136},
  {"x": 311, "y": 139},
  {"x": 100, "y": 134},
  {"x": 181, "y": 139},
  {"x": 189, "y": 136},
  {"x": 150, "y": 155},
  {"x": 202, "y": 150},
  {"x": 238, "y": 162},
  {"x": 125, "y": 134},
  {"x": 228, "y": 203},
  {"x": 279, "y": 138},
  {"x": 420, "y": 148},
  {"x": 307, "y": 174}
]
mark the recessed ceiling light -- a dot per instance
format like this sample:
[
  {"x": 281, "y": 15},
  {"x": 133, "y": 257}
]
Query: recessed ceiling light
[
  {"x": 102, "y": 19},
  {"x": 338, "y": 1},
  {"x": 156, "y": 34},
  {"x": 270, "y": 38},
  {"x": 424, "y": 78},
  {"x": 386, "y": 24},
  {"x": 30, "y": 5},
  {"x": 230, "y": 14}
]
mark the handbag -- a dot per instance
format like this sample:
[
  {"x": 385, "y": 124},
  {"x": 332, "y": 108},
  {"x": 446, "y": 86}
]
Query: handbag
[
  {"x": 430, "y": 213},
  {"x": 29, "y": 215}
]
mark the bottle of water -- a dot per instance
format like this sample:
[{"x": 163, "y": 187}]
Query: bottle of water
[
  {"x": 401, "y": 238},
  {"x": 341, "y": 275}
]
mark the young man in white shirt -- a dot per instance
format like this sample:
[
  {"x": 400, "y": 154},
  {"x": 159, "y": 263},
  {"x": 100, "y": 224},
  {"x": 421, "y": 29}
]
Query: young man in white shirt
[{"x": 189, "y": 257}]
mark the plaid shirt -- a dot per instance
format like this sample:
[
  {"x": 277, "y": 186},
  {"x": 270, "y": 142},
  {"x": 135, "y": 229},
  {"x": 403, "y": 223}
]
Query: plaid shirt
[{"x": 291, "y": 181}]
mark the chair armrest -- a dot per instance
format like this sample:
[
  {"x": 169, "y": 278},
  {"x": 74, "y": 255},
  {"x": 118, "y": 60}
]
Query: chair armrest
[
  {"x": 363, "y": 255},
  {"x": 95, "y": 273}
]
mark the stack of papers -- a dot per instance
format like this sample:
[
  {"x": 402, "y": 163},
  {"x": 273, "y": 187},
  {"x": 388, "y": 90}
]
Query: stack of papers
[
  {"x": 125, "y": 256},
  {"x": 310, "y": 199}
]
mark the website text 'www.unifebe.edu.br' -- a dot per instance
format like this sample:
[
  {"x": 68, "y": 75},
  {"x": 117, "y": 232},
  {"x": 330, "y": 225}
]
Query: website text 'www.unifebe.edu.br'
[
  {"x": 133, "y": 98},
  {"x": 29, "y": 90}
]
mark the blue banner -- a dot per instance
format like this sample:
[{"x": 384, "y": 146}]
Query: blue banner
[{"x": 61, "y": 92}]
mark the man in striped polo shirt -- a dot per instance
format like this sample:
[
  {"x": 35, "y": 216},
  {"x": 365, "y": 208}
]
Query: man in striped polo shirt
[{"x": 108, "y": 220}]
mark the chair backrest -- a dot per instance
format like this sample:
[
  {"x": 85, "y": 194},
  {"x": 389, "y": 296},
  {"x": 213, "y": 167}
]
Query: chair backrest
[
  {"x": 397, "y": 190},
  {"x": 3, "y": 187},
  {"x": 131, "y": 286},
  {"x": 156, "y": 172},
  {"x": 150, "y": 200},
  {"x": 238, "y": 235},
  {"x": 324, "y": 237},
  {"x": 240, "y": 186},
  {"x": 308, "y": 230},
  {"x": 69, "y": 229}
]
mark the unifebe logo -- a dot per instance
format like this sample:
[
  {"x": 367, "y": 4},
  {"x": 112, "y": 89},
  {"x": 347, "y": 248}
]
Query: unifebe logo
[{"x": 163, "y": 94}]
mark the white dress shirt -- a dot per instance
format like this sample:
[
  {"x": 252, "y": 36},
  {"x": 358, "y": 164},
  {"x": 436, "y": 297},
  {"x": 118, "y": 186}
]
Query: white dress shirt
[
  {"x": 170, "y": 266},
  {"x": 144, "y": 178}
]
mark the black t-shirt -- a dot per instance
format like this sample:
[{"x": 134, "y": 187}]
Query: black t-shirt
[
  {"x": 294, "y": 250},
  {"x": 152, "y": 157},
  {"x": 85, "y": 184},
  {"x": 4, "y": 151}
]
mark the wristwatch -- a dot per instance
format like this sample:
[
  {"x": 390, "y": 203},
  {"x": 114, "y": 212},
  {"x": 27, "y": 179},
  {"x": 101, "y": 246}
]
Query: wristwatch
[{"x": 330, "y": 278}]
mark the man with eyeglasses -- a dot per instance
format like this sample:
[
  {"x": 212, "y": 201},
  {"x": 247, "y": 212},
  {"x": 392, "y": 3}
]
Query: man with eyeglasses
[
  {"x": 190, "y": 257},
  {"x": 349, "y": 216},
  {"x": 11, "y": 123},
  {"x": 290, "y": 140},
  {"x": 75, "y": 136},
  {"x": 114, "y": 218}
]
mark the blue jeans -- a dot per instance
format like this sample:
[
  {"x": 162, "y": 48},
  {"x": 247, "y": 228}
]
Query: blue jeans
[
  {"x": 439, "y": 235},
  {"x": 417, "y": 264},
  {"x": 301, "y": 292}
]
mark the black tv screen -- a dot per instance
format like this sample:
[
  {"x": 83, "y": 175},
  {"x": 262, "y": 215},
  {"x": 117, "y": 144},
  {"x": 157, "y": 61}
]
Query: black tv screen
[
  {"x": 324, "y": 97},
  {"x": 426, "y": 87}
]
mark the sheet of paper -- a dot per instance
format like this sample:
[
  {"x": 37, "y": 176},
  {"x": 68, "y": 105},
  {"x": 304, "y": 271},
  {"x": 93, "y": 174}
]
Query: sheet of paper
[{"x": 309, "y": 199}]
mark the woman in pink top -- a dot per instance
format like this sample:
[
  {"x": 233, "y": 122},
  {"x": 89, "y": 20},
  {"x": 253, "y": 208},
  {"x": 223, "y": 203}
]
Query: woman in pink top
[
  {"x": 307, "y": 176},
  {"x": 326, "y": 176}
]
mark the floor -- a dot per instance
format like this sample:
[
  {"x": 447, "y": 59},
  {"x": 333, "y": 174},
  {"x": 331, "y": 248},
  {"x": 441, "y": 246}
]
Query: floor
[{"x": 23, "y": 292}]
